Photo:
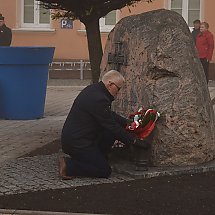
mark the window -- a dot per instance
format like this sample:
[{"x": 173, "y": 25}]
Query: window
[
  {"x": 108, "y": 22},
  {"x": 34, "y": 15},
  {"x": 189, "y": 9}
]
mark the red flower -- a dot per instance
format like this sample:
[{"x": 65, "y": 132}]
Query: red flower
[{"x": 142, "y": 122}]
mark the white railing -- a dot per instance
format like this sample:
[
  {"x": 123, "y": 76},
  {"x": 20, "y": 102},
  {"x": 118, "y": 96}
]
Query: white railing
[{"x": 70, "y": 66}]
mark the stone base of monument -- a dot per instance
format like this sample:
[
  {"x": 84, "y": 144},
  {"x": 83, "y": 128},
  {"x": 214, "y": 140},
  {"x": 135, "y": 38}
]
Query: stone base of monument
[{"x": 130, "y": 168}]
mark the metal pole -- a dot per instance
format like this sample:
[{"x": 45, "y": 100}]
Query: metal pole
[{"x": 81, "y": 70}]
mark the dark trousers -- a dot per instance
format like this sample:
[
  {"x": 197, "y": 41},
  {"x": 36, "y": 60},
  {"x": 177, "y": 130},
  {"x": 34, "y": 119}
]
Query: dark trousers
[
  {"x": 205, "y": 64},
  {"x": 91, "y": 161}
]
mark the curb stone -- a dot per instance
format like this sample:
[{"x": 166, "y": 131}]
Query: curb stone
[
  {"x": 27, "y": 212},
  {"x": 129, "y": 170}
]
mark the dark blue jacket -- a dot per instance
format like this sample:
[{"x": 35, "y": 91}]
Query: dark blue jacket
[
  {"x": 5, "y": 36},
  {"x": 89, "y": 116}
]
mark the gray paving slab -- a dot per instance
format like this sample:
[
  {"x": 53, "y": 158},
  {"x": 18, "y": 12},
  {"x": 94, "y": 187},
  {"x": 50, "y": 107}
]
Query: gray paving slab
[{"x": 18, "y": 137}]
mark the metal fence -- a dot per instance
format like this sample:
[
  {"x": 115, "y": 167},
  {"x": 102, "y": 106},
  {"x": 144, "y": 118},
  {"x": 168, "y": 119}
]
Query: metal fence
[{"x": 80, "y": 66}]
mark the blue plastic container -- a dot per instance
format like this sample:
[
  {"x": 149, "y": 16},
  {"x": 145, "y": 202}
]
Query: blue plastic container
[{"x": 23, "y": 81}]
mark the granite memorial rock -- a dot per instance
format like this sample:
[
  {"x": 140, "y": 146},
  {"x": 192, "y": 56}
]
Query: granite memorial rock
[{"x": 156, "y": 54}]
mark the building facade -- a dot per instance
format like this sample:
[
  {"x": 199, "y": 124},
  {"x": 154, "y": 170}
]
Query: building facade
[{"x": 32, "y": 25}]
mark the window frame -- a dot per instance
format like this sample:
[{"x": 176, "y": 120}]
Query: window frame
[
  {"x": 36, "y": 23},
  {"x": 185, "y": 10},
  {"x": 102, "y": 27},
  {"x": 107, "y": 28}
]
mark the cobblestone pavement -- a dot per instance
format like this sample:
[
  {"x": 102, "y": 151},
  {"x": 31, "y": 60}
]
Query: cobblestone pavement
[
  {"x": 40, "y": 173},
  {"x": 20, "y": 175}
]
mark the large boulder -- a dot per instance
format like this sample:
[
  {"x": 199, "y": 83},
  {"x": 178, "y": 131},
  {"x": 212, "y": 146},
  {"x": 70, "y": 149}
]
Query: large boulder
[{"x": 158, "y": 58}]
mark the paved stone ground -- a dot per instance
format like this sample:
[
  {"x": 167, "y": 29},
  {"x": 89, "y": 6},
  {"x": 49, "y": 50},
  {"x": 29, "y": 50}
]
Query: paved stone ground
[
  {"x": 18, "y": 137},
  {"x": 40, "y": 173},
  {"x": 20, "y": 175}
]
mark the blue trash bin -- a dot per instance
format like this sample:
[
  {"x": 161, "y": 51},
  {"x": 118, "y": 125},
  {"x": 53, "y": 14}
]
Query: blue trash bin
[{"x": 23, "y": 81}]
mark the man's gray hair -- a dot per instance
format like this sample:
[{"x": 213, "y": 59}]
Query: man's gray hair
[{"x": 112, "y": 75}]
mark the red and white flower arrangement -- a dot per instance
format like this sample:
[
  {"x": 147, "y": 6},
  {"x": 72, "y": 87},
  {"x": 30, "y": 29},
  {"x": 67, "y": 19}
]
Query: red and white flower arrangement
[{"x": 142, "y": 122}]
